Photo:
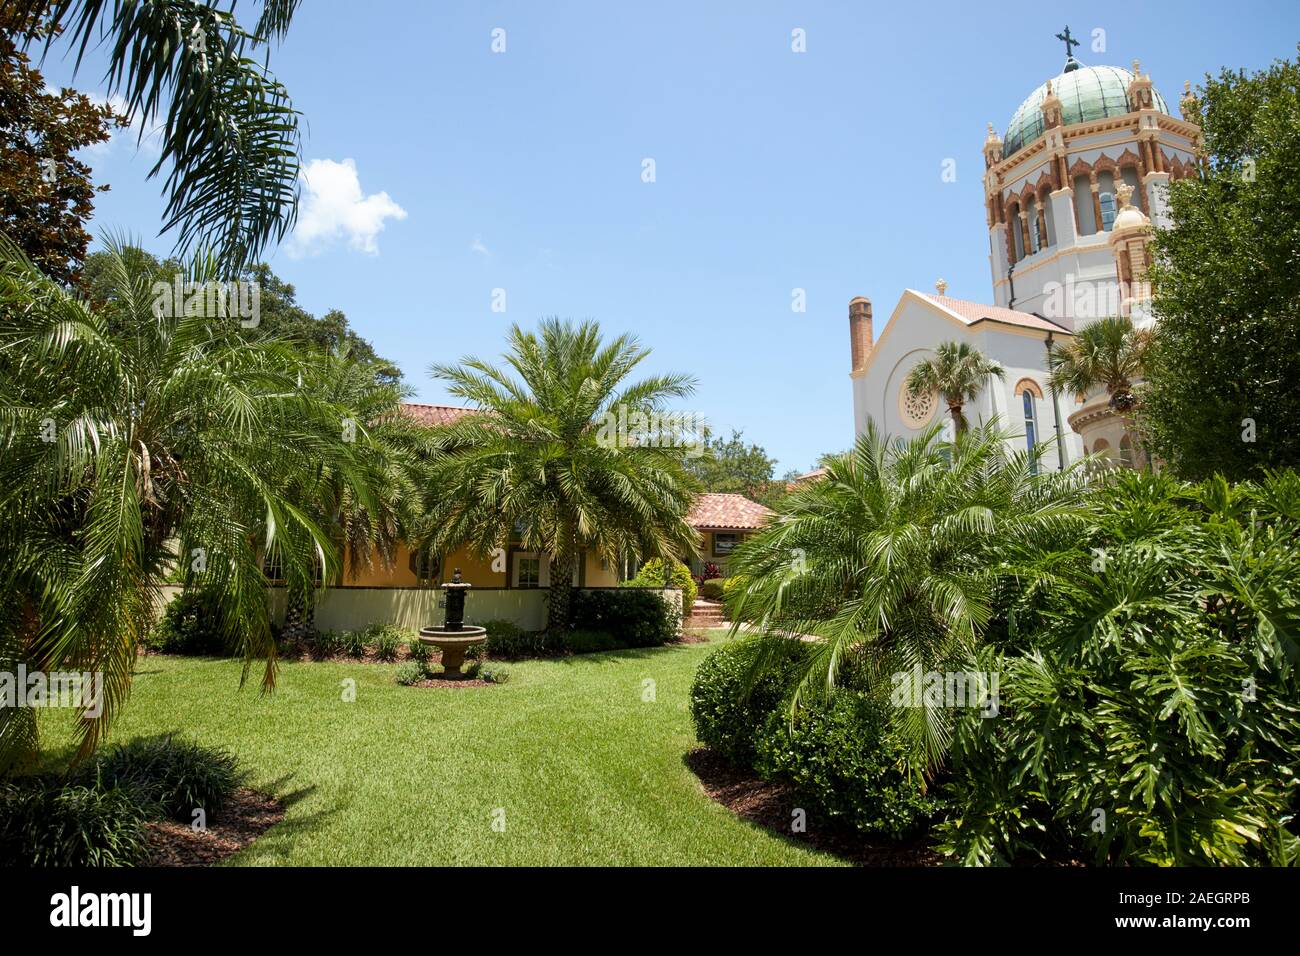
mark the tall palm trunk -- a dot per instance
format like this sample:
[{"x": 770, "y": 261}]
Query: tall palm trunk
[
  {"x": 560, "y": 613},
  {"x": 299, "y": 617},
  {"x": 560, "y": 617},
  {"x": 958, "y": 419}
]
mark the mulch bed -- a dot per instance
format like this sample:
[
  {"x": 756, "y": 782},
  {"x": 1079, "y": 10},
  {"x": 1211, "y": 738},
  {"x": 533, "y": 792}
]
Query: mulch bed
[
  {"x": 246, "y": 816},
  {"x": 771, "y": 805},
  {"x": 440, "y": 682}
]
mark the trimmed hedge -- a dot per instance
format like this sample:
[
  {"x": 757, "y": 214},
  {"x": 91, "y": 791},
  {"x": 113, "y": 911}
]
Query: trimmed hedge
[
  {"x": 839, "y": 753},
  {"x": 727, "y": 718},
  {"x": 636, "y": 617},
  {"x": 844, "y": 761},
  {"x": 651, "y": 575}
]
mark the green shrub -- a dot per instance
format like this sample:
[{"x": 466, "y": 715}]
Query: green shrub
[
  {"x": 1151, "y": 718},
  {"x": 729, "y": 718},
  {"x": 651, "y": 575},
  {"x": 711, "y": 589},
  {"x": 386, "y": 639},
  {"x": 844, "y": 761},
  {"x": 589, "y": 642},
  {"x": 354, "y": 643},
  {"x": 494, "y": 673},
  {"x": 418, "y": 651},
  {"x": 507, "y": 639},
  {"x": 191, "y": 624},
  {"x": 46, "y": 823},
  {"x": 170, "y": 775},
  {"x": 327, "y": 643},
  {"x": 412, "y": 672},
  {"x": 636, "y": 617}
]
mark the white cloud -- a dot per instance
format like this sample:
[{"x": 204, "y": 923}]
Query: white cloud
[
  {"x": 333, "y": 207},
  {"x": 478, "y": 246},
  {"x": 150, "y": 145}
]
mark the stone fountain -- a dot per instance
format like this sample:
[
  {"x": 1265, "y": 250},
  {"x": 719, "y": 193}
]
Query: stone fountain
[{"x": 455, "y": 637}]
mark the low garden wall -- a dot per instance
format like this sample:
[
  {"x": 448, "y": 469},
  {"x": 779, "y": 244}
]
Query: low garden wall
[{"x": 351, "y": 609}]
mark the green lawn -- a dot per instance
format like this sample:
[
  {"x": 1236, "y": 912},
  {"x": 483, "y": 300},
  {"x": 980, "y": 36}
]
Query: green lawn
[{"x": 586, "y": 772}]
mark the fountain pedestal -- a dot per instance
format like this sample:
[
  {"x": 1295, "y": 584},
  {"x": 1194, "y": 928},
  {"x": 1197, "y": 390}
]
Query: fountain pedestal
[{"x": 455, "y": 637}]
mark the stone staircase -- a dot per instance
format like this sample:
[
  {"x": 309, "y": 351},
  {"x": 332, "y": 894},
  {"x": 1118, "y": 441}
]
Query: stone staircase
[{"x": 704, "y": 615}]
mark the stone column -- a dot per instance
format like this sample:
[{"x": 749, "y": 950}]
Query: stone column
[
  {"x": 1096, "y": 202},
  {"x": 1063, "y": 216}
]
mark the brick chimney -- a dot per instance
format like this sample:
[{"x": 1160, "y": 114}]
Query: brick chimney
[{"x": 860, "y": 333}]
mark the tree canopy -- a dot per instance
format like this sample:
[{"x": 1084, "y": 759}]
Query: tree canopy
[
  {"x": 1223, "y": 392},
  {"x": 46, "y": 194}
]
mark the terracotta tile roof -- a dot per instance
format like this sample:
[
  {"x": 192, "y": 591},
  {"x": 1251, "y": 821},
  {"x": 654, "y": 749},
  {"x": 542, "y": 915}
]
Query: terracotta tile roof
[
  {"x": 810, "y": 475},
  {"x": 727, "y": 512},
  {"x": 435, "y": 414},
  {"x": 972, "y": 312}
]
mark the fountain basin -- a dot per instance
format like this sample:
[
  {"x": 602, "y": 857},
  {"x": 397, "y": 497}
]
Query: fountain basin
[{"x": 453, "y": 645}]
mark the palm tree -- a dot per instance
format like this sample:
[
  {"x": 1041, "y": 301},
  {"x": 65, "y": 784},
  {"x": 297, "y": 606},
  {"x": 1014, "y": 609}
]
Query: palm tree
[
  {"x": 890, "y": 562},
  {"x": 363, "y": 528},
  {"x": 542, "y": 462},
  {"x": 1109, "y": 352},
  {"x": 138, "y": 443},
  {"x": 230, "y": 139},
  {"x": 957, "y": 372}
]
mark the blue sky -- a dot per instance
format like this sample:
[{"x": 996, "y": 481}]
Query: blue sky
[{"x": 774, "y": 171}]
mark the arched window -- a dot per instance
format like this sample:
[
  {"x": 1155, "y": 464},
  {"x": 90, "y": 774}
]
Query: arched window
[
  {"x": 1107, "y": 201},
  {"x": 1017, "y": 239},
  {"x": 1126, "y": 452},
  {"x": 1031, "y": 423},
  {"x": 1031, "y": 214},
  {"x": 1102, "y": 450}
]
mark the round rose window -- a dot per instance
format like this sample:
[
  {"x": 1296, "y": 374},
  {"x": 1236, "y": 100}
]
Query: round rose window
[{"x": 917, "y": 410}]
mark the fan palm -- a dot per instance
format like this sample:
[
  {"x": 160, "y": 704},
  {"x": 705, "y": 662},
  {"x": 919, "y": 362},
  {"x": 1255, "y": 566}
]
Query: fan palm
[
  {"x": 890, "y": 562},
  {"x": 1109, "y": 352},
  {"x": 958, "y": 372},
  {"x": 538, "y": 461},
  {"x": 136, "y": 444},
  {"x": 230, "y": 136}
]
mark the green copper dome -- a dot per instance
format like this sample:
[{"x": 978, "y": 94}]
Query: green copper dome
[{"x": 1086, "y": 93}]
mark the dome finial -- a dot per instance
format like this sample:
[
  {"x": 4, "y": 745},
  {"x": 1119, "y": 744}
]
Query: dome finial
[
  {"x": 941, "y": 286},
  {"x": 1137, "y": 67},
  {"x": 1123, "y": 191},
  {"x": 1070, "y": 43}
]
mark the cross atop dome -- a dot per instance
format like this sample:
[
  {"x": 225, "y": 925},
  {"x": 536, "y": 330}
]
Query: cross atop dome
[{"x": 1070, "y": 43}]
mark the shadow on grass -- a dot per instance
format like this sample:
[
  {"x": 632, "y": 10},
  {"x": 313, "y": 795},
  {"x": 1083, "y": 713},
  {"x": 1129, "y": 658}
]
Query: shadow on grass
[{"x": 276, "y": 844}]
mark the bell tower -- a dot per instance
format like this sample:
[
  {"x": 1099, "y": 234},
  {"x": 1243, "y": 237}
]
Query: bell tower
[{"x": 1053, "y": 183}]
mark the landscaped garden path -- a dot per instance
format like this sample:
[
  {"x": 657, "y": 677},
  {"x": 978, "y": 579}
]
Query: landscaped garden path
[{"x": 580, "y": 758}]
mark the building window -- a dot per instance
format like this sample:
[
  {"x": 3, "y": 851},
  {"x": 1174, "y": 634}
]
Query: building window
[
  {"x": 1107, "y": 201},
  {"x": 273, "y": 565},
  {"x": 425, "y": 566},
  {"x": 1031, "y": 424},
  {"x": 724, "y": 544},
  {"x": 530, "y": 572}
]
